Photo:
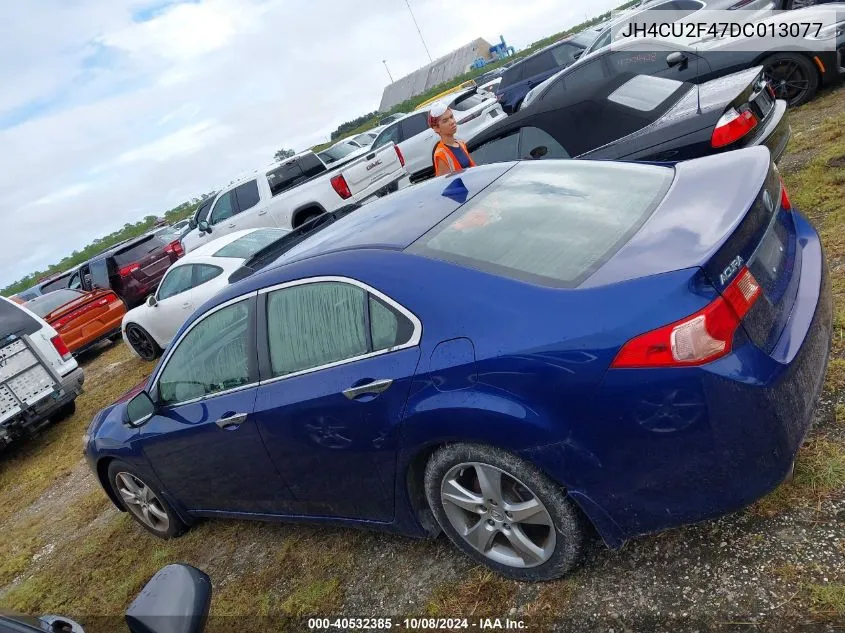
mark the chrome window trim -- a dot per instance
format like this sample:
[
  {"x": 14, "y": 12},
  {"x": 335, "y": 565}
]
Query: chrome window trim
[
  {"x": 414, "y": 341},
  {"x": 172, "y": 349}
]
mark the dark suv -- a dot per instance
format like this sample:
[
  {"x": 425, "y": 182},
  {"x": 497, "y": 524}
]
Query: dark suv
[
  {"x": 132, "y": 269},
  {"x": 536, "y": 68}
]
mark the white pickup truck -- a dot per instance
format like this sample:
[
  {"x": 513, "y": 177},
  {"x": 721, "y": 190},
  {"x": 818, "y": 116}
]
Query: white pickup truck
[
  {"x": 39, "y": 378},
  {"x": 291, "y": 192}
]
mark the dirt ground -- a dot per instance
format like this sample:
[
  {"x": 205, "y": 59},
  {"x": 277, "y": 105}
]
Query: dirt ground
[{"x": 777, "y": 566}]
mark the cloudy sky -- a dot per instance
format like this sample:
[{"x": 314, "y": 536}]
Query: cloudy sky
[{"x": 112, "y": 110}]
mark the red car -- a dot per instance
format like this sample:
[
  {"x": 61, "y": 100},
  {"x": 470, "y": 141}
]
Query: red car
[{"x": 82, "y": 318}]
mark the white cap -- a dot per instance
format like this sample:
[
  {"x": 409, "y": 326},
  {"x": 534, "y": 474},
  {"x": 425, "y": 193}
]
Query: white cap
[{"x": 438, "y": 109}]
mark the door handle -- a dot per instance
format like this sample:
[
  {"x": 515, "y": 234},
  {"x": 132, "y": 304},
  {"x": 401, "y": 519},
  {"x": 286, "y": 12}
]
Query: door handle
[
  {"x": 262, "y": 212},
  {"x": 232, "y": 421},
  {"x": 376, "y": 387},
  {"x": 233, "y": 226}
]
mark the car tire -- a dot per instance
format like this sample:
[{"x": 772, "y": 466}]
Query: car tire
[
  {"x": 306, "y": 218},
  {"x": 781, "y": 66},
  {"x": 525, "y": 505},
  {"x": 143, "y": 502},
  {"x": 141, "y": 342},
  {"x": 65, "y": 411}
]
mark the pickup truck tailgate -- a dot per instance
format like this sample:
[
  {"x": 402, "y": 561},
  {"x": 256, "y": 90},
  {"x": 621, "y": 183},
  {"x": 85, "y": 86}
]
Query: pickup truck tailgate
[
  {"x": 23, "y": 378},
  {"x": 374, "y": 170}
]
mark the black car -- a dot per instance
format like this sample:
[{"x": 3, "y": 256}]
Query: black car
[
  {"x": 175, "y": 600},
  {"x": 536, "y": 68},
  {"x": 796, "y": 74},
  {"x": 640, "y": 117}
]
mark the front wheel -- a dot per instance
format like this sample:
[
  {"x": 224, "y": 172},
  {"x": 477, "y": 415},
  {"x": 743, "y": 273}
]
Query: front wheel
[
  {"x": 793, "y": 77},
  {"x": 140, "y": 341},
  {"x": 144, "y": 503},
  {"x": 504, "y": 513}
]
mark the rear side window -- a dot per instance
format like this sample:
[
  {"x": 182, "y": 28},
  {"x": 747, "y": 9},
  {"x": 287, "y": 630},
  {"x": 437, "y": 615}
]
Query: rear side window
[
  {"x": 414, "y": 125},
  {"x": 564, "y": 54},
  {"x": 247, "y": 195},
  {"x": 537, "y": 65},
  {"x": 551, "y": 223},
  {"x": 138, "y": 251}
]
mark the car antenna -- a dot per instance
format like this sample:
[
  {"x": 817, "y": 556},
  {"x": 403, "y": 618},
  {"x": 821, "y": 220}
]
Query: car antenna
[{"x": 698, "y": 81}]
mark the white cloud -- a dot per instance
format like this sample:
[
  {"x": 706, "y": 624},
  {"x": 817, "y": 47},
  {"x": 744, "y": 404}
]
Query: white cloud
[{"x": 115, "y": 119}]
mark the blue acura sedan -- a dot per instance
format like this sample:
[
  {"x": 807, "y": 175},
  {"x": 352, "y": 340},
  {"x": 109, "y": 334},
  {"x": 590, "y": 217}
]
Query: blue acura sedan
[{"x": 517, "y": 355}]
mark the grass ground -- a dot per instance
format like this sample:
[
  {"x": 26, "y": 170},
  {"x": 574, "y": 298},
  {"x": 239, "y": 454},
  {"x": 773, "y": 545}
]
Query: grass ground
[{"x": 65, "y": 549}]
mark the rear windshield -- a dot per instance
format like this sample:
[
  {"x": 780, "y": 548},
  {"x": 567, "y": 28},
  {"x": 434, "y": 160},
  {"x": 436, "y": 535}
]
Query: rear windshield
[
  {"x": 248, "y": 245},
  {"x": 468, "y": 102},
  {"x": 137, "y": 251},
  {"x": 44, "y": 305},
  {"x": 551, "y": 222},
  {"x": 337, "y": 152},
  {"x": 14, "y": 320}
]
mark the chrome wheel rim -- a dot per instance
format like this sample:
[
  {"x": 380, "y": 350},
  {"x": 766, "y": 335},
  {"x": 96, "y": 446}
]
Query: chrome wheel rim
[
  {"x": 142, "y": 501},
  {"x": 498, "y": 515},
  {"x": 141, "y": 342}
]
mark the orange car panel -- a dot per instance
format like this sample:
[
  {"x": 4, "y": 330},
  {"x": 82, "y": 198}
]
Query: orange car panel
[{"x": 88, "y": 319}]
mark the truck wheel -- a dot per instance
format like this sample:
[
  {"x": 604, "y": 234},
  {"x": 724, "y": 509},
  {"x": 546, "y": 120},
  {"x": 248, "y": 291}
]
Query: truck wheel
[
  {"x": 65, "y": 411},
  {"x": 305, "y": 217}
]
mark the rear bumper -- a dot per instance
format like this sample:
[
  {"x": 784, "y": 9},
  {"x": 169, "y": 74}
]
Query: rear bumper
[
  {"x": 38, "y": 414},
  {"x": 676, "y": 446},
  {"x": 776, "y": 133}
]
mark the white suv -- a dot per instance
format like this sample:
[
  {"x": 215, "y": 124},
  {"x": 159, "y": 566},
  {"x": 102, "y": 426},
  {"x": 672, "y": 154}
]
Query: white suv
[
  {"x": 39, "y": 378},
  {"x": 474, "y": 112}
]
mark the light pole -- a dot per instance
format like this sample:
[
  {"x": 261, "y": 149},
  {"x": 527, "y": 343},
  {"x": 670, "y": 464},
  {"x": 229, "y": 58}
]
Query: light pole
[
  {"x": 418, "y": 31},
  {"x": 384, "y": 61}
]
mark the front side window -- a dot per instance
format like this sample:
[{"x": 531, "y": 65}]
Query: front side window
[
  {"x": 224, "y": 208},
  {"x": 317, "y": 324},
  {"x": 176, "y": 281},
  {"x": 204, "y": 208},
  {"x": 535, "y": 144},
  {"x": 565, "y": 54},
  {"x": 214, "y": 356}
]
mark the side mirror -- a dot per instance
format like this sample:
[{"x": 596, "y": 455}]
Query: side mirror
[
  {"x": 139, "y": 410},
  {"x": 676, "y": 59},
  {"x": 152, "y": 301},
  {"x": 578, "y": 54},
  {"x": 203, "y": 226},
  {"x": 176, "y": 600}
]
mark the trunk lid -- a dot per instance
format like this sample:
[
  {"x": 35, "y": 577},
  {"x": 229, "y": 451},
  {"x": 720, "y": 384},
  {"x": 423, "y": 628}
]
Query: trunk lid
[
  {"x": 378, "y": 166},
  {"x": 145, "y": 260},
  {"x": 81, "y": 312},
  {"x": 720, "y": 230}
]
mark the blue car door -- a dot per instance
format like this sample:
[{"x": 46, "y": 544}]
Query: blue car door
[
  {"x": 338, "y": 359},
  {"x": 203, "y": 441}
]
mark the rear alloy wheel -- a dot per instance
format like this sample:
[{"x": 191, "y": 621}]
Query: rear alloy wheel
[
  {"x": 142, "y": 342},
  {"x": 793, "y": 77},
  {"x": 143, "y": 503},
  {"x": 504, "y": 513}
]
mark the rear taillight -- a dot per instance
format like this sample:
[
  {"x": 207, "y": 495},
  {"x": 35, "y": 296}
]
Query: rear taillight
[
  {"x": 697, "y": 339},
  {"x": 128, "y": 270},
  {"x": 785, "y": 202},
  {"x": 61, "y": 348},
  {"x": 340, "y": 186},
  {"x": 399, "y": 154},
  {"x": 470, "y": 117},
  {"x": 175, "y": 247},
  {"x": 733, "y": 125}
]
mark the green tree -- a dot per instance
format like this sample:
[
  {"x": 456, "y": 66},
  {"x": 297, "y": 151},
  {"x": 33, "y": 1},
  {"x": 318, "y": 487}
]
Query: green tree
[{"x": 283, "y": 154}]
